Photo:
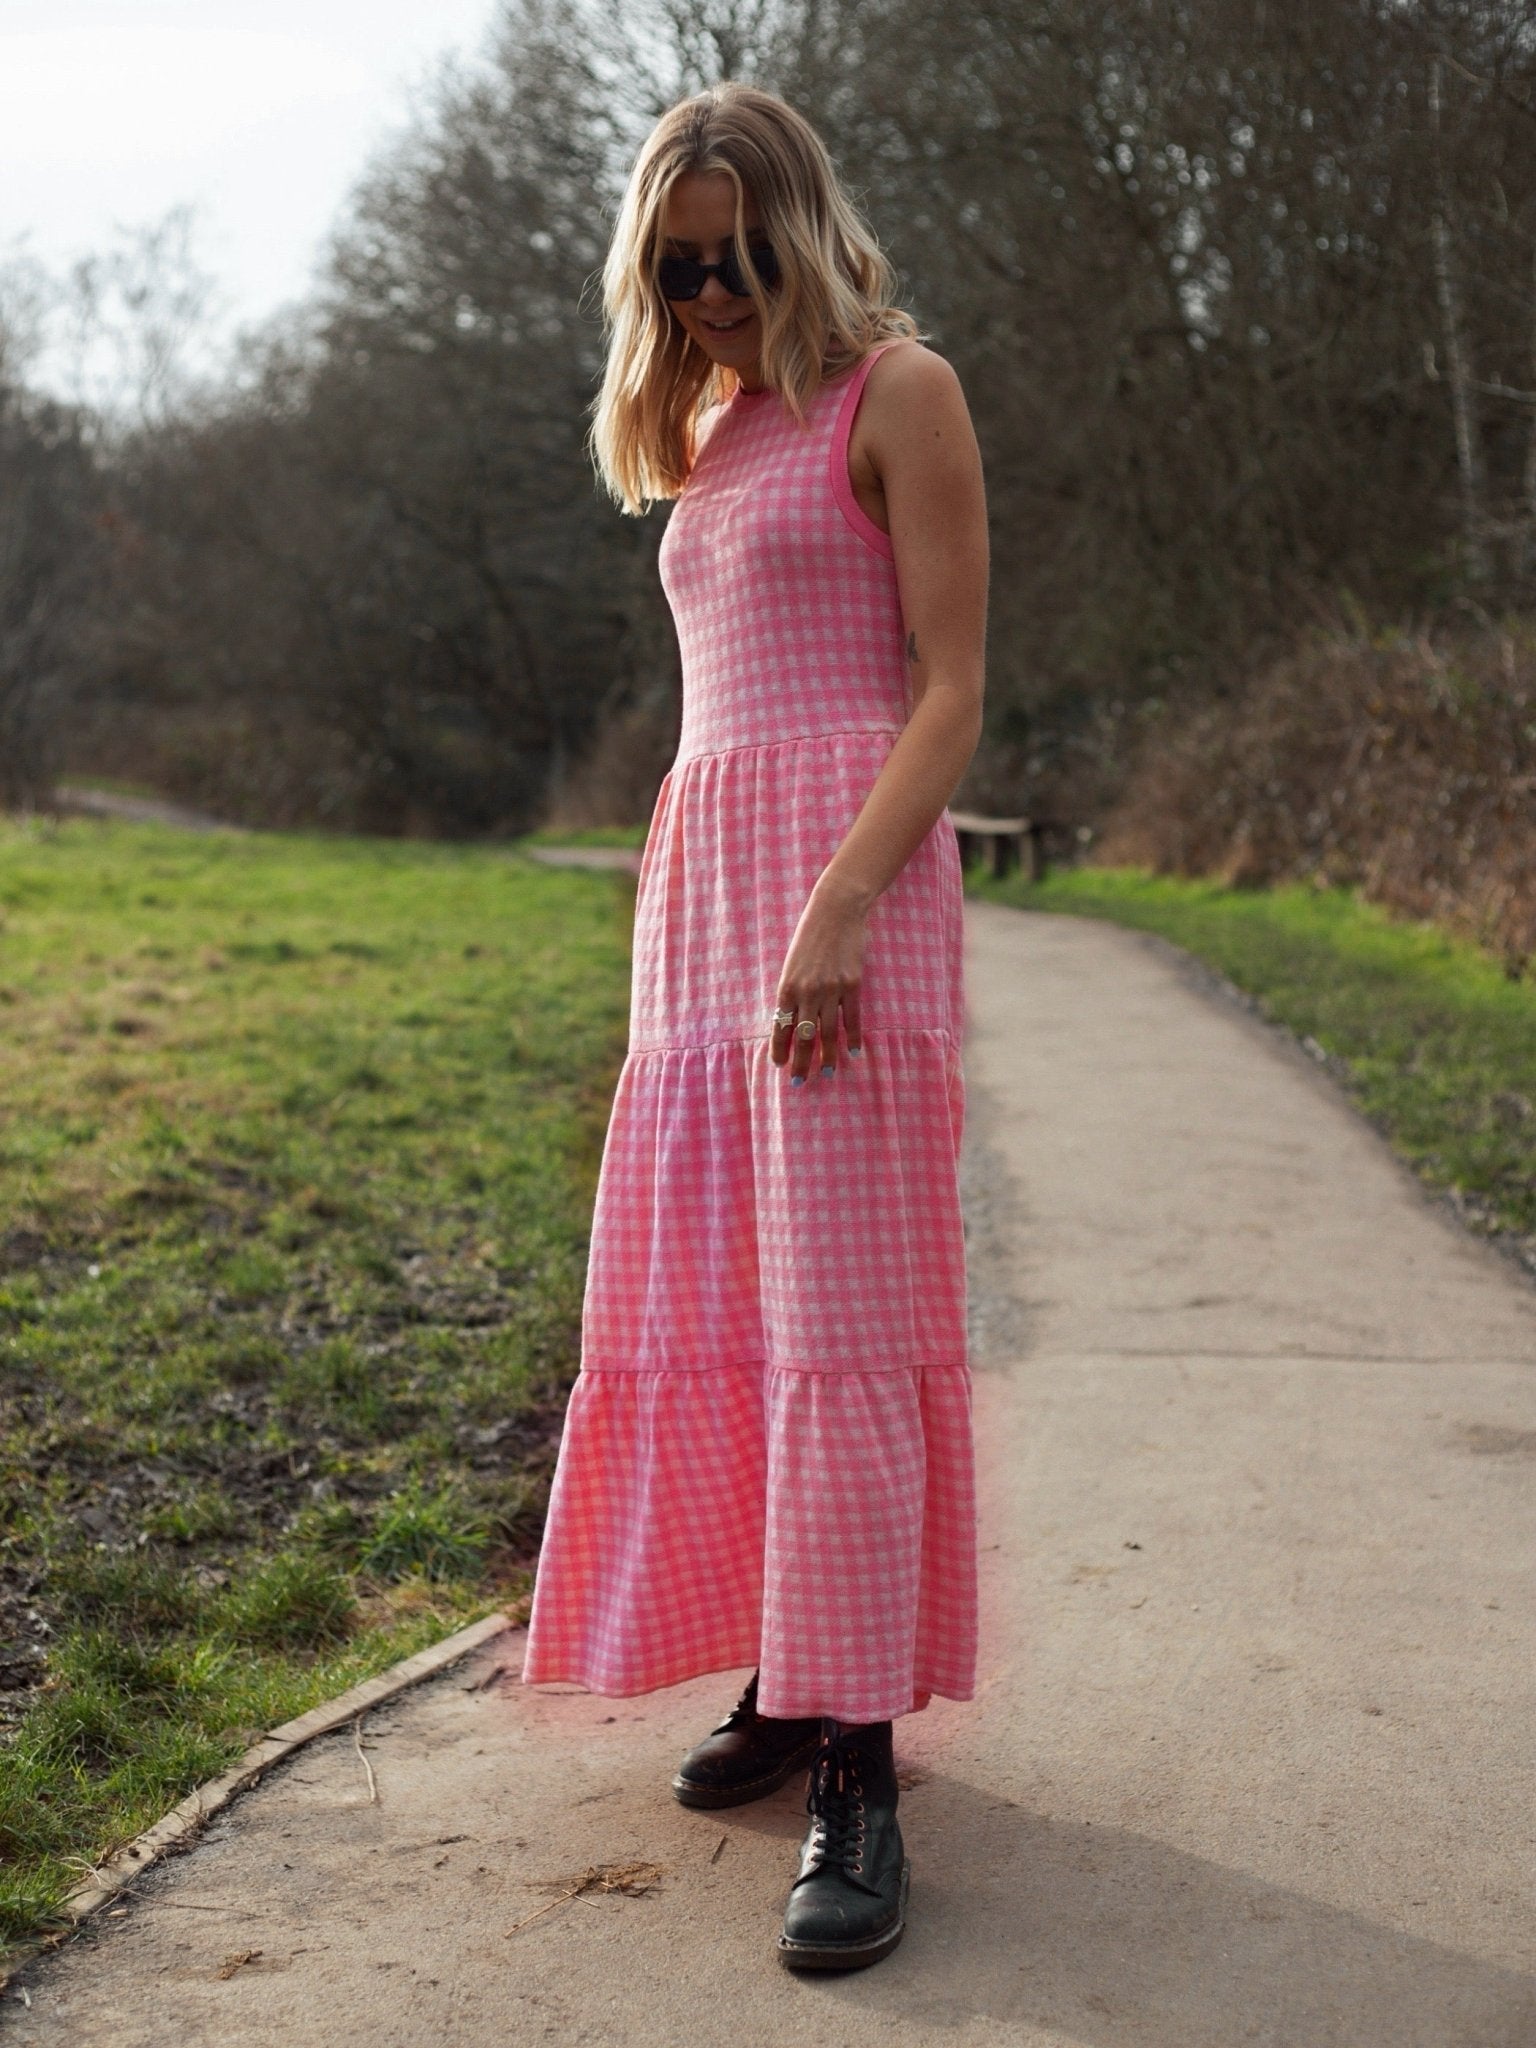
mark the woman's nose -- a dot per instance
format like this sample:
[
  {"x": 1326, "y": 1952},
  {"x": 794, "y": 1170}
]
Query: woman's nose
[{"x": 714, "y": 292}]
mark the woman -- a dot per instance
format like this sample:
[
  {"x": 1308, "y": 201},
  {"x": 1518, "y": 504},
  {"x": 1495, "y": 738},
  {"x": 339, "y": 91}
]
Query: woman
[{"x": 767, "y": 1456}]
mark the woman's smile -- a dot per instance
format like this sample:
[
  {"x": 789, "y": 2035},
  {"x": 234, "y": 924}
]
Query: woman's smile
[{"x": 730, "y": 337}]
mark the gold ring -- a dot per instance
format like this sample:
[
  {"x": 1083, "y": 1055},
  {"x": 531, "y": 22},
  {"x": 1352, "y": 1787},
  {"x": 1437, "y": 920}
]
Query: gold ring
[
  {"x": 806, "y": 1028},
  {"x": 782, "y": 1019}
]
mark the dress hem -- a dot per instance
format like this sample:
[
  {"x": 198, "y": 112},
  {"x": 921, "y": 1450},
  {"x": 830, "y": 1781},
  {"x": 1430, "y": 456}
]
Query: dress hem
[{"x": 796, "y": 1709}]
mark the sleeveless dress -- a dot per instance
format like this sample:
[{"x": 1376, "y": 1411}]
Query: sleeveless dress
[{"x": 767, "y": 1454}]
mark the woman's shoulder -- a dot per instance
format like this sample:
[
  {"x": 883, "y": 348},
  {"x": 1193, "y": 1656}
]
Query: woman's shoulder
[
  {"x": 909, "y": 368},
  {"x": 909, "y": 385}
]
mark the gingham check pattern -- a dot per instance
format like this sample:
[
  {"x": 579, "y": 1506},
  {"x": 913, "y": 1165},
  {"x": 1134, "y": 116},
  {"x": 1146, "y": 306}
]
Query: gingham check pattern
[{"x": 767, "y": 1455}]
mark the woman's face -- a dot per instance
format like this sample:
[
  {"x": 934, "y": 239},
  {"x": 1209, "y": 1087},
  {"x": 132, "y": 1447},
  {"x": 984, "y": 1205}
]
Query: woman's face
[{"x": 701, "y": 222}]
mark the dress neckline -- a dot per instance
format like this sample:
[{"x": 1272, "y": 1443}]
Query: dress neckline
[{"x": 741, "y": 396}]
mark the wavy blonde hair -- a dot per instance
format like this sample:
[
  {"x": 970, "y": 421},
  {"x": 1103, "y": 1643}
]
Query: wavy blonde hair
[{"x": 831, "y": 306}]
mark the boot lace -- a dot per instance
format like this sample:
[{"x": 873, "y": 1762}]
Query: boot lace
[
  {"x": 835, "y": 1802},
  {"x": 745, "y": 1709}
]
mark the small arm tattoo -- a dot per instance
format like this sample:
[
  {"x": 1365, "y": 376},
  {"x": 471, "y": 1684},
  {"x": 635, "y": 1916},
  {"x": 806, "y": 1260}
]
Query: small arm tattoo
[{"x": 911, "y": 647}]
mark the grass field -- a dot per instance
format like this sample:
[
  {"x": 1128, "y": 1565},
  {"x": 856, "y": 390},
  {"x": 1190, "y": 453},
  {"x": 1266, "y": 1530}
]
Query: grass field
[
  {"x": 298, "y": 1142},
  {"x": 297, "y": 1152},
  {"x": 1434, "y": 1041}
]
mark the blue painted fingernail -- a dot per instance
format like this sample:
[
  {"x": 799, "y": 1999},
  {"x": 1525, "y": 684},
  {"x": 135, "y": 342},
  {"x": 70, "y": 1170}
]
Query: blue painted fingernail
[
  {"x": 829, "y": 1067},
  {"x": 854, "y": 1051},
  {"x": 797, "y": 1080}
]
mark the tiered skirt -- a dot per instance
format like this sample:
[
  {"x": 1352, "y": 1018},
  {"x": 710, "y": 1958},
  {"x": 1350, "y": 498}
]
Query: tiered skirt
[{"x": 767, "y": 1457}]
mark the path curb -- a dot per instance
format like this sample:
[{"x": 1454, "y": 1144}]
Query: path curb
[{"x": 183, "y": 1822}]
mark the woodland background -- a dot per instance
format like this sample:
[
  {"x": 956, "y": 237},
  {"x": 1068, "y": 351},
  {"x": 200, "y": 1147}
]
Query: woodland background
[{"x": 1243, "y": 297}]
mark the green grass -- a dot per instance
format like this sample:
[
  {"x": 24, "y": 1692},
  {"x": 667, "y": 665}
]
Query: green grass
[
  {"x": 1434, "y": 1040},
  {"x": 297, "y": 1158}
]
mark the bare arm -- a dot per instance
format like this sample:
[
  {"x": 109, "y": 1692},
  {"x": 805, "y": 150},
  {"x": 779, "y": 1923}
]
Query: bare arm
[
  {"x": 918, "y": 432},
  {"x": 920, "y": 437}
]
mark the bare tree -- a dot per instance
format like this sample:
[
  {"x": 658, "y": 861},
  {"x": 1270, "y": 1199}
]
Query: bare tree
[
  {"x": 48, "y": 546},
  {"x": 1243, "y": 297},
  {"x": 126, "y": 320}
]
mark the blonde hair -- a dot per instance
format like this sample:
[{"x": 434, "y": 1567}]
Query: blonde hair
[{"x": 829, "y": 309}]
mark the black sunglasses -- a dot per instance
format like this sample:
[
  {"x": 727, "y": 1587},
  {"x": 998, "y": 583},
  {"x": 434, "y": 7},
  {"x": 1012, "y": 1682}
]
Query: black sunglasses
[{"x": 682, "y": 277}]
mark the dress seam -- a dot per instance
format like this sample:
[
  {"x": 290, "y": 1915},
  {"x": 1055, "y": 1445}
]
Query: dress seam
[
  {"x": 785, "y": 740},
  {"x": 817, "y": 1372},
  {"x": 762, "y": 1037}
]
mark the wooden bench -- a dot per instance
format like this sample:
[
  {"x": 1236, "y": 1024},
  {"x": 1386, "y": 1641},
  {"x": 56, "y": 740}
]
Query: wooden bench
[{"x": 1013, "y": 842}]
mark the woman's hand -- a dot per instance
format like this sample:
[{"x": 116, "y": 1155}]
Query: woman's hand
[{"x": 822, "y": 972}]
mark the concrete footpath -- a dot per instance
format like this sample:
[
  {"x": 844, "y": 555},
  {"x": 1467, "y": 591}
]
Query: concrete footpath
[{"x": 1252, "y": 1762}]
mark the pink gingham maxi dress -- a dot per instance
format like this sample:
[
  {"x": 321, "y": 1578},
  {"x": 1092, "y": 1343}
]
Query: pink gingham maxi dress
[{"x": 767, "y": 1455}]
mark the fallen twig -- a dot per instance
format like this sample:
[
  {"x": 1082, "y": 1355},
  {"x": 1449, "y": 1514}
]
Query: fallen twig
[
  {"x": 357, "y": 1743},
  {"x": 632, "y": 1879}
]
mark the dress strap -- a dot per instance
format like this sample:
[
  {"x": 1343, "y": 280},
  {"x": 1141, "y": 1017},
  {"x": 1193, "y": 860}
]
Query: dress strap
[{"x": 842, "y": 433}]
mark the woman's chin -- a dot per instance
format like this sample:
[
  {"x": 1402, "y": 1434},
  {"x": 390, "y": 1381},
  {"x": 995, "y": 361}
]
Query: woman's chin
[{"x": 734, "y": 349}]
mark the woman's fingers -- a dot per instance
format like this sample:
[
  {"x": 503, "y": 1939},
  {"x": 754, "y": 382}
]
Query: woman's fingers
[
  {"x": 779, "y": 1039},
  {"x": 819, "y": 983},
  {"x": 804, "y": 1033},
  {"x": 828, "y": 1022},
  {"x": 804, "y": 1047},
  {"x": 852, "y": 1027}
]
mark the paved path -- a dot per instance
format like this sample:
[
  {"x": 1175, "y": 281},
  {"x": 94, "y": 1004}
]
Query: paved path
[
  {"x": 586, "y": 856},
  {"x": 1252, "y": 1763},
  {"x": 139, "y": 810}
]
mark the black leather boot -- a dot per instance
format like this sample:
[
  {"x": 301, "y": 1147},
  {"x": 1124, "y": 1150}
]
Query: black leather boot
[
  {"x": 746, "y": 1757},
  {"x": 848, "y": 1905}
]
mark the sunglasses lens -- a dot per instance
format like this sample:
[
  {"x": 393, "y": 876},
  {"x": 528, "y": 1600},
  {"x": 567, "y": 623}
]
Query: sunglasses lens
[
  {"x": 767, "y": 264},
  {"x": 680, "y": 277},
  {"x": 734, "y": 278}
]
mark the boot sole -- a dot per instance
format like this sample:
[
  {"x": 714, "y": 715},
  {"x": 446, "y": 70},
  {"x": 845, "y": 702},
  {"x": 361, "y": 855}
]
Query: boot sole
[
  {"x": 832, "y": 1955},
  {"x": 713, "y": 1796}
]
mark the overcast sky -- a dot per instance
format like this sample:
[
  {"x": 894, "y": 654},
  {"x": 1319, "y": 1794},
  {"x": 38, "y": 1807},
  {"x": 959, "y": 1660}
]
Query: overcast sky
[{"x": 114, "y": 111}]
